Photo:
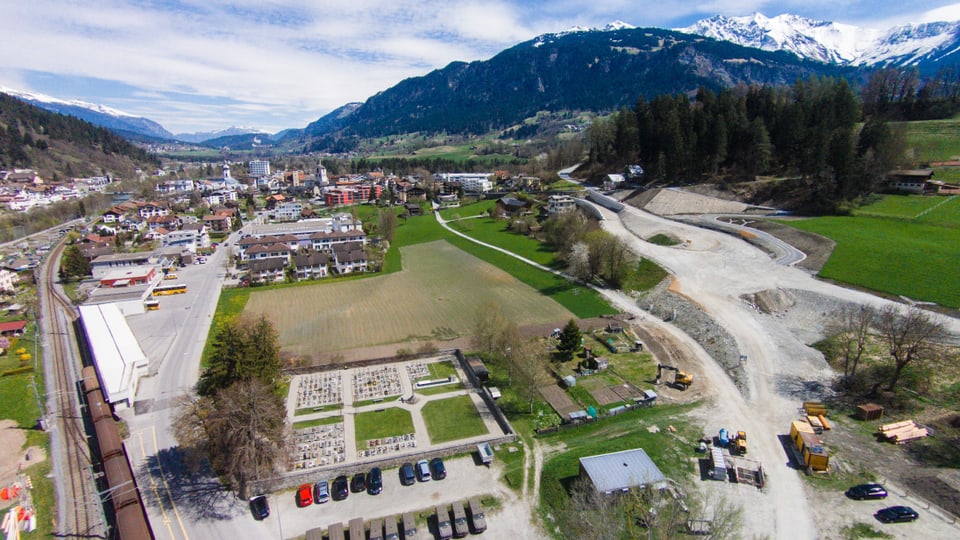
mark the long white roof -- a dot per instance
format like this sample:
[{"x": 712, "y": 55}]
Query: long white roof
[{"x": 116, "y": 353}]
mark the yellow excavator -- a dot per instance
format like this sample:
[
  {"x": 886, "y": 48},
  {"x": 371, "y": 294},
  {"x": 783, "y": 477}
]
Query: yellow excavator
[{"x": 681, "y": 380}]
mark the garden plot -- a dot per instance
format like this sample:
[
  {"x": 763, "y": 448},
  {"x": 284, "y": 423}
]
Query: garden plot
[{"x": 559, "y": 400}]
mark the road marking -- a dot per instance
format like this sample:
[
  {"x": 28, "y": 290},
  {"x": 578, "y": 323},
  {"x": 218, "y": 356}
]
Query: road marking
[
  {"x": 153, "y": 484},
  {"x": 173, "y": 505}
]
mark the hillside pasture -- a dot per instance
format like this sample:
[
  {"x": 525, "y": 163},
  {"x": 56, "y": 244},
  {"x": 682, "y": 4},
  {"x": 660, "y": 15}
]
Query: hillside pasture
[
  {"x": 933, "y": 140},
  {"x": 917, "y": 260},
  {"x": 435, "y": 297}
]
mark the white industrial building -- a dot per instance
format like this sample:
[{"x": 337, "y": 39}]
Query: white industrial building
[{"x": 118, "y": 358}]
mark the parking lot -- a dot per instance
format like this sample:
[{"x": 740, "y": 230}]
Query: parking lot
[{"x": 465, "y": 478}]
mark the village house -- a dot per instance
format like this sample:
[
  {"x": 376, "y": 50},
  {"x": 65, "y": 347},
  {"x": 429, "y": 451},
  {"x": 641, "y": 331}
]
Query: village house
[
  {"x": 508, "y": 207},
  {"x": 311, "y": 265},
  {"x": 217, "y": 223},
  {"x": 561, "y": 204},
  {"x": 267, "y": 269},
  {"x": 350, "y": 257},
  {"x": 910, "y": 181}
]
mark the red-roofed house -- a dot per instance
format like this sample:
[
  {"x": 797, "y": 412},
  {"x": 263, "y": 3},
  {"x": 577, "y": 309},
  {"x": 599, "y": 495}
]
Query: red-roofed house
[{"x": 12, "y": 328}]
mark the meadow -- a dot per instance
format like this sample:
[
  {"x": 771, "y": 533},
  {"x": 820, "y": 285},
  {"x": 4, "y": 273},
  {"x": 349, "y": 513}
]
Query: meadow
[
  {"x": 900, "y": 245},
  {"x": 933, "y": 140}
]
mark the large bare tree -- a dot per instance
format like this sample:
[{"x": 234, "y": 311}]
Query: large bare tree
[
  {"x": 853, "y": 325},
  {"x": 910, "y": 337},
  {"x": 241, "y": 430}
]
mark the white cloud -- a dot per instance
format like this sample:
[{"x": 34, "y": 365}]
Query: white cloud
[{"x": 270, "y": 61}]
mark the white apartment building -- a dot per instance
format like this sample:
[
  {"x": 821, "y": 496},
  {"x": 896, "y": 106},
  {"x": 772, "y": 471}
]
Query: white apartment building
[
  {"x": 471, "y": 182},
  {"x": 259, "y": 168}
]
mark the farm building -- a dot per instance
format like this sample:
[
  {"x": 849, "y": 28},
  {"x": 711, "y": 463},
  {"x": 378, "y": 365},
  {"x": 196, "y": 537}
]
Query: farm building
[
  {"x": 909, "y": 181},
  {"x": 621, "y": 471}
]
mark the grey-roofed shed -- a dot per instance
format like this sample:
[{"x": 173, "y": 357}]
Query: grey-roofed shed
[{"x": 620, "y": 471}]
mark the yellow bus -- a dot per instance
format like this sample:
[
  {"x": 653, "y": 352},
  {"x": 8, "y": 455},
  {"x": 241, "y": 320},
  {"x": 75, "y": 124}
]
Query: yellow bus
[
  {"x": 162, "y": 290},
  {"x": 152, "y": 305}
]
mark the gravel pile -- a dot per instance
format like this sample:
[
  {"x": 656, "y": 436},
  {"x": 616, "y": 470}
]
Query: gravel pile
[
  {"x": 796, "y": 315},
  {"x": 687, "y": 316}
]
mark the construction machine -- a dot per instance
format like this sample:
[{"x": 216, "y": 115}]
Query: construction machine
[
  {"x": 681, "y": 379},
  {"x": 741, "y": 442}
]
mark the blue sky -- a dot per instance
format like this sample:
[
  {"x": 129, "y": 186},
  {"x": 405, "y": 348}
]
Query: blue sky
[{"x": 199, "y": 65}]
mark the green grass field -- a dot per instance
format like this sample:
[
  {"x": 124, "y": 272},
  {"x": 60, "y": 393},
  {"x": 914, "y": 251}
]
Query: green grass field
[
  {"x": 933, "y": 140},
  {"x": 325, "y": 421},
  {"x": 17, "y": 403},
  {"x": 495, "y": 232},
  {"x": 623, "y": 432},
  {"x": 469, "y": 210},
  {"x": 435, "y": 297},
  {"x": 387, "y": 422},
  {"x": 908, "y": 252},
  {"x": 452, "y": 419}
]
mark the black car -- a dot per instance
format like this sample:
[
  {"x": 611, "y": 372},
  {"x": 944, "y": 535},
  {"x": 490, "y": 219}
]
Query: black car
[
  {"x": 358, "y": 483},
  {"x": 260, "y": 507},
  {"x": 867, "y": 491},
  {"x": 897, "y": 514},
  {"x": 407, "y": 477},
  {"x": 374, "y": 481},
  {"x": 438, "y": 468},
  {"x": 340, "y": 488}
]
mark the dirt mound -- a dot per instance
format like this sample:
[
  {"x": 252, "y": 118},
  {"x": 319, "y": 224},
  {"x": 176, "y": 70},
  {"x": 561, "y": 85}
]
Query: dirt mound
[
  {"x": 771, "y": 301},
  {"x": 672, "y": 202}
]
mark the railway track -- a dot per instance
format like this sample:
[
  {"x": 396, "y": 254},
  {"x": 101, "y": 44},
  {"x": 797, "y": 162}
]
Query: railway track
[{"x": 81, "y": 513}]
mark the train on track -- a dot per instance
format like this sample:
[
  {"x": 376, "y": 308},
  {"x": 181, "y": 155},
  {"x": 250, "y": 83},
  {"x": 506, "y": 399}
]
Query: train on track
[{"x": 128, "y": 509}]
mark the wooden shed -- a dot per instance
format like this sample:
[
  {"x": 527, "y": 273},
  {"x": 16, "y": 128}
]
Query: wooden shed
[{"x": 869, "y": 411}]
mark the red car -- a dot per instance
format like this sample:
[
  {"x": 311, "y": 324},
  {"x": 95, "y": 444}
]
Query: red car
[{"x": 304, "y": 495}]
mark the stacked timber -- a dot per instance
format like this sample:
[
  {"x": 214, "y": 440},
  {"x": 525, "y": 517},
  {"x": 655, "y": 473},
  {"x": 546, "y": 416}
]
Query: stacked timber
[
  {"x": 814, "y": 408},
  {"x": 902, "y": 432}
]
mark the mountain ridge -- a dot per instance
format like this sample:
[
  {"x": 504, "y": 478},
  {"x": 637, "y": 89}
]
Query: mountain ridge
[{"x": 925, "y": 46}]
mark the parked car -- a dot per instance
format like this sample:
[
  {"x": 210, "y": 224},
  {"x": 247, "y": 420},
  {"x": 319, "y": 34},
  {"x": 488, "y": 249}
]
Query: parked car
[
  {"x": 304, "y": 495},
  {"x": 438, "y": 468},
  {"x": 897, "y": 514},
  {"x": 477, "y": 518},
  {"x": 260, "y": 507},
  {"x": 867, "y": 491},
  {"x": 423, "y": 470},
  {"x": 444, "y": 531},
  {"x": 374, "y": 481},
  {"x": 407, "y": 476},
  {"x": 340, "y": 491},
  {"x": 321, "y": 492},
  {"x": 358, "y": 483},
  {"x": 459, "y": 520}
]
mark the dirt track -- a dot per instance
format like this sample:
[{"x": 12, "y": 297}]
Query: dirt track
[{"x": 720, "y": 273}]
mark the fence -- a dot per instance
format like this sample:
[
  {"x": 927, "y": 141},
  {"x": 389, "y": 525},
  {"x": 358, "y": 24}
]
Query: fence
[{"x": 485, "y": 396}]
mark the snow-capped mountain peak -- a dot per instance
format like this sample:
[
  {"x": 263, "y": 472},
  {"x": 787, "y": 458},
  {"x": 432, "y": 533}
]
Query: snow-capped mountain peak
[
  {"x": 834, "y": 42},
  {"x": 43, "y": 98},
  {"x": 610, "y": 27},
  {"x": 818, "y": 40}
]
